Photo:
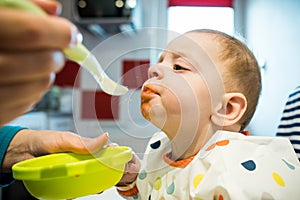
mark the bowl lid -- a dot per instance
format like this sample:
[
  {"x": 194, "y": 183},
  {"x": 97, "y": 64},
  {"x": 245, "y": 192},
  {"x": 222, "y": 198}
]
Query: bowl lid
[{"x": 60, "y": 165}]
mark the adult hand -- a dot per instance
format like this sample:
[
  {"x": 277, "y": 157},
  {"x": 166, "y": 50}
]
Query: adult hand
[
  {"x": 30, "y": 51},
  {"x": 28, "y": 144}
]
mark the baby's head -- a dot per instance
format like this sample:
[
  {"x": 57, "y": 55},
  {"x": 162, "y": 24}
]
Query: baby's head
[
  {"x": 206, "y": 78},
  {"x": 239, "y": 70}
]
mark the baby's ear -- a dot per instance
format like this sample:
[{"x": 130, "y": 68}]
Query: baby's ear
[{"x": 231, "y": 110}]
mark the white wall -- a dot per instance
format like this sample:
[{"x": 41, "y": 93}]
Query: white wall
[{"x": 272, "y": 28}]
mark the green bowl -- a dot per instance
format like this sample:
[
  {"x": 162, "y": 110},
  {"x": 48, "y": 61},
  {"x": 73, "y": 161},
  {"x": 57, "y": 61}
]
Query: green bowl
[{"x": 69, "y": 175}]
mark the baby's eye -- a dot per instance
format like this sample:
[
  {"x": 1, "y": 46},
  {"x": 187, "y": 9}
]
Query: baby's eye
[{"x": 178, "y": 67}]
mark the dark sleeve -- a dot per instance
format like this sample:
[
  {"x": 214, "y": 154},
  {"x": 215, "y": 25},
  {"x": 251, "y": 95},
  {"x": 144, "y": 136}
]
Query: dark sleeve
[
  {"x": 290, "y": 121},
  {"x": 6, "y": 135}
]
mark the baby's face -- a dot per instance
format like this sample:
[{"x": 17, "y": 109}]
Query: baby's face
[{"x": 183, "y": 86}]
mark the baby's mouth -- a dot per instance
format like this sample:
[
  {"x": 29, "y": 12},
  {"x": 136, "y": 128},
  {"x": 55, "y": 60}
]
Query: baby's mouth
[{"x": 148, "y": 92}]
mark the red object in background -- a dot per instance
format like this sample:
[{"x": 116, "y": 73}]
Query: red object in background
[
  {"x": 213, "y": 3},
  {"x": 135, "y": 73},
  {"x": 68, "y": 75},
  {"x": 99, "y": 105}
]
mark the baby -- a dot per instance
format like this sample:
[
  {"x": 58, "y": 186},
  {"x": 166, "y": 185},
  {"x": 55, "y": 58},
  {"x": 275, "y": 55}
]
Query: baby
[{"x": 202, "y": 93}]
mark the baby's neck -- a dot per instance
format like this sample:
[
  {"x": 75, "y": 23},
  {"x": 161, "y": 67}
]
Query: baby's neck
[
  {"x": 185, "y": 147},
  {"x": 176, "y": 153}
]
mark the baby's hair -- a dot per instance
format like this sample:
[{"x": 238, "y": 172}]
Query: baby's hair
[{"x": 241, "y": 71}]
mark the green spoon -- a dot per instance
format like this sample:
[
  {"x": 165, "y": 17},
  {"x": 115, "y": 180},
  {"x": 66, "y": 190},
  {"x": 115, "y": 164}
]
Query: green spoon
[{"x": 78, "y": 54}]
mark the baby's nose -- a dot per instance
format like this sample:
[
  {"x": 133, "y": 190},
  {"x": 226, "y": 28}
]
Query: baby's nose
[{"x": 155, "y": 72}]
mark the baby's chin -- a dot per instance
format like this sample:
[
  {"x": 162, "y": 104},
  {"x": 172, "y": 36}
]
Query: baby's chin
[
  {"x": 146, "y": 115},
  {"x": 156, "y": 114}
]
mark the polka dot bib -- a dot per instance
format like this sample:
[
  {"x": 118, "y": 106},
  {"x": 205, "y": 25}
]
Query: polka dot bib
[{"x": 230, "y": 166}]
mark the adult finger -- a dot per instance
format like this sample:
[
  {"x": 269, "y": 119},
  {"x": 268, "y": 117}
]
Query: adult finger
[
  {"x": 29, "y": 65},
  {"x": 8, "y": 114},
  {"x": 50, "y": 7},
  {"x": 13, "y": 95},
  {"x": 25, "y": 30},
  {"x": 68, "y": 142},
  {"x": 87, "y": 145}
]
